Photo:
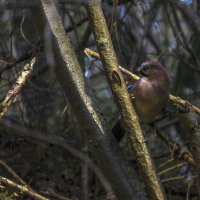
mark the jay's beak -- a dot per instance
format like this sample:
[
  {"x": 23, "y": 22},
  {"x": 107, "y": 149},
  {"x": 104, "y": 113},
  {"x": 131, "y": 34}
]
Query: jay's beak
[{"x": 137, "y": 72}]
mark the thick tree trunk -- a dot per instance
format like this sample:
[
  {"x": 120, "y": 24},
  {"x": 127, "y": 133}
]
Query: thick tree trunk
[{"x": 100, "y": 138}]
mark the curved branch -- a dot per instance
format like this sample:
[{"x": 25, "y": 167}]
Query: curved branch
[
  {"x": 174, "y": 99},
  {"x": 22, "y": 131}
]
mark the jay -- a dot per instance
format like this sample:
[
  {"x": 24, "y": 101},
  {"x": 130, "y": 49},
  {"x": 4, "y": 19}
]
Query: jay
[{"x": 149, "y": 95}]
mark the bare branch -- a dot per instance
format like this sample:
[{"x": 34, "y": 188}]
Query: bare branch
[
  {"x": 25, "y": 132},
  {"x": 174, "y": 99},
  {"x": 94, "y": 127},
  {"x": 21, "y": 188},
  {"x": 14, "y": 91},
  {"x": 129, "y": 117}
]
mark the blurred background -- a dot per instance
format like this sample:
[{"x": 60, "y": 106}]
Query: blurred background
[{"x": 167, "y": 31}]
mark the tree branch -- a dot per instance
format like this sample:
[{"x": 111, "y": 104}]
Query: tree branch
[
  {"x": 28, "y": 133},
  {"x": 99, "y": 136},
  {"x": 129, "y": 117},
  {"x": 174, "y": 99},
  {"x": 21, "y": 188},
  {"x": 14, "y": 91}
]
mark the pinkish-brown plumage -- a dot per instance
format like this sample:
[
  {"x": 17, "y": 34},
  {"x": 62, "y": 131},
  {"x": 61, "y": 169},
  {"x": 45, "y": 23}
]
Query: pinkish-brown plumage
[{"x": 150, "y": 94}]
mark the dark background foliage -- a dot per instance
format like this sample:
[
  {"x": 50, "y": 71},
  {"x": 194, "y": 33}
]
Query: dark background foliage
[{"x": 167, "y": 31}]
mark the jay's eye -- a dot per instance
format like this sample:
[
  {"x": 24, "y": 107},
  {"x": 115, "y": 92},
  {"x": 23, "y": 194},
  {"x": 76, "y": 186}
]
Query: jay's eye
[{"x": 145, "y": 68}]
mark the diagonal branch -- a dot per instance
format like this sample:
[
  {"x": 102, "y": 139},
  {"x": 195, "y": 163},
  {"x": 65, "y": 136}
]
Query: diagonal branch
[
  {"x": 14, "y": 91},
  {"x": 177, "y": 148},
  {"x": 189, "y": 120},
  {"x": 25, "y": 132},
  {"x": 99, "y": 135},
  {"x": 174, "y": 99},
  {"x": 129, "y": 117},
  {"x": 21, "y": 188}
]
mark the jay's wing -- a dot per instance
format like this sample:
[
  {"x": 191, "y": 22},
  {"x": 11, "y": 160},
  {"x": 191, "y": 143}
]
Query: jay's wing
[{"x": 132, "y": 86}]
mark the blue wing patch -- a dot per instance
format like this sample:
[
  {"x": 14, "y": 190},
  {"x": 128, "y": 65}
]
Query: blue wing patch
[{"x": 133, "y": 85}]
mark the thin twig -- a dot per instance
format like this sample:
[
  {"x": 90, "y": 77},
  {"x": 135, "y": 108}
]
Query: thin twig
[
  {"x": 174, "y": 99},
  {"x": 172, "y": 168},
  {"x": 23, "y": 131},
  {"x": 21, "y": 188},
  {"x": 180, "y": 153},
  {"x": 16, "y": 176}
]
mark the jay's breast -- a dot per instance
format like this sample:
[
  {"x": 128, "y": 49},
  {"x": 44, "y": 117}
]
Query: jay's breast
[{"x": 148, "y": 105}]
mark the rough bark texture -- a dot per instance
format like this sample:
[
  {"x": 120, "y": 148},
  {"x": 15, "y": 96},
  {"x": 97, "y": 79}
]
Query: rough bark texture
[
  {"x": 100, "y": 139},
  {"x": 118, "y": 86},
  {"x": 190, "y": 123}
]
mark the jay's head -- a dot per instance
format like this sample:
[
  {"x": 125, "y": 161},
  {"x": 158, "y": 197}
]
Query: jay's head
[{"x": 155, "y": 72}]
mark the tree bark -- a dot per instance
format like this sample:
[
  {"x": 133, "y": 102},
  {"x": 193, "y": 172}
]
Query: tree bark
[
  {"x": 99, "y": 135},
  {"x": 188, "y": 118},
  {"x": 129, "y": 117}
]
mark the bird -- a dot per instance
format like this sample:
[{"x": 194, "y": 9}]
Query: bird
[{"x": 150, "y": 94}]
